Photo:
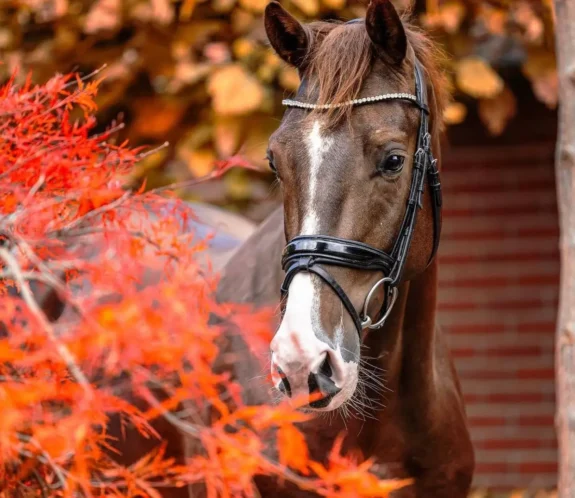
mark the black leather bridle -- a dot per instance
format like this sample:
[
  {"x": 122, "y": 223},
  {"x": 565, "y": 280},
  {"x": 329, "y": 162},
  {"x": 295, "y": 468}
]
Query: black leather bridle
[{"x": 308, "y": 253}]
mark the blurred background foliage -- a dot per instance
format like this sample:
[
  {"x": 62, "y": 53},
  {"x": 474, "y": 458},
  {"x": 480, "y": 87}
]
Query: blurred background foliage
[{"x": 199, "y": 73}]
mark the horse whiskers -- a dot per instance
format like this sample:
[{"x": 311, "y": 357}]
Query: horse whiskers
[
  {"x": 276, "y": 396},
  {"x": 361, "y": 397},
  {"x": 375, "y": 384},
  {"x": 360, "y": 409}
]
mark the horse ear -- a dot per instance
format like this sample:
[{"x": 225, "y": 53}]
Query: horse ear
[
  {"x": 386, "y": 31},
  {"x": 286, "y": 35}
]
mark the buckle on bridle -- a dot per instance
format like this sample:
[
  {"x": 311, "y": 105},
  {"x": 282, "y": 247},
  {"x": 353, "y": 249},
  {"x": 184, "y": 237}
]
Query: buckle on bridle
[{"x": 366, "y": 321}]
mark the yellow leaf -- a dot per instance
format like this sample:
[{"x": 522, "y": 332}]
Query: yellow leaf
[
  {"x": 257, "y": 6},
  {"x": 495, "y": 113},
  {"x": 309, "y": 7},
  {"x": 162, "y": 12},
  {"x": 546, "y": 88},
  {"x": 60, "y": 7},
  {"x": 234, "y": 91},
  {"x": 187, "y": 73},
  {"x": 454, "y": 113},
  {"x": 242, "y": 21},
  {"x": 193, "y": 150},
  {"x": 477, "y": 78},
  {"x": 201, "y": 162},
  {"x": 494, "y": 19},
  {"x": 334, "y": 4},
  {"x": 289, "y": 78},
  {"x": 223, "y": 5},
  {"x": 227, "y": 132},
  {"x": 452, "y": 14},
  {"x": 271, "y": 59},
  {"x": 242, "y": 48},
  {"x": 532, "y": 25},
  {"x": 156, "y": 117},
  {"x": 103, "y": 16},
  {"x": 198, "y": 137},
  {"x": 187, "y": 9},
  {"x": 448, "y": 17},
  {"x": 6, "y": 38},
  {"x": 266, "y": 73},
  {"x": 541, "y": 69},
  {"x": 237, "y": 184}
]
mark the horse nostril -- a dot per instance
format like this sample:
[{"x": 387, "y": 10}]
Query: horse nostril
[
  {"x": 284, "y": 385},
  {"x": 321, "y": 383},
  {"x": 325, "y": 367}
]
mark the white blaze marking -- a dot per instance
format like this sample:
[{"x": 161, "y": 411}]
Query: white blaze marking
[
  {"x": 295, "y": 348},
  {"x": 300, "y": 310},
  {"x": 317, "y": 147}
]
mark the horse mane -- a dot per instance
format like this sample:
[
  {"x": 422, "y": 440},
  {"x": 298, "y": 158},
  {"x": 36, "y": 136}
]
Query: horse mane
[{"x": 341, "y": 58}]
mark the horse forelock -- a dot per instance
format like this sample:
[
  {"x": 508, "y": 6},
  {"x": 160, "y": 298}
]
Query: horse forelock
[{"x": 341, "y": 57}]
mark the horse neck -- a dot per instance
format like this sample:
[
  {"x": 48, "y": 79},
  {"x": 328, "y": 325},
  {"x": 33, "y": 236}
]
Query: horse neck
[{"x": 405, "y": 347}]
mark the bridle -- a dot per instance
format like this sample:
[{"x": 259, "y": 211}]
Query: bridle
[{"x": 308, "y": 253}]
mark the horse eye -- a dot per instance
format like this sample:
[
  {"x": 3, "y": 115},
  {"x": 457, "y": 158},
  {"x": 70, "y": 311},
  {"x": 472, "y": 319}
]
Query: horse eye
[
  {"x": 271, "y": 163},
  {"x": 392, "y": 164}
]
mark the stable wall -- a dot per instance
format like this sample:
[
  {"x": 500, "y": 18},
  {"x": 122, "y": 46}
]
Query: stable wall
[{"x": 499, "y": 280}]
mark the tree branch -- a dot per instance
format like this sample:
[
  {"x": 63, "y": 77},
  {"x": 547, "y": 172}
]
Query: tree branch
[{"x": 30, "y": 301}]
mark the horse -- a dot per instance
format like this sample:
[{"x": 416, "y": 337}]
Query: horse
[
  {"x": 358, "y": 276},
  {"x": 350, "y": 258}
]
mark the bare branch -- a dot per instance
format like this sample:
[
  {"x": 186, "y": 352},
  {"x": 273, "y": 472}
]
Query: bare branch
[
  {"x": 96, "y": 212},
  {"x": 37, "y": 186},
  {"x": 153, "y": 151},
  {"x": 30, "y": 301}
]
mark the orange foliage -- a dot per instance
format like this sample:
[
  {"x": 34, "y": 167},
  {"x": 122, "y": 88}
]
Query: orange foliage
[{"x": 136, "y": 320}]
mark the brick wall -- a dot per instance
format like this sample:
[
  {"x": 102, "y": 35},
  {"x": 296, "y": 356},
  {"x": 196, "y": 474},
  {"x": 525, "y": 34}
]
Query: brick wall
[{"x": 498, "y": 296}]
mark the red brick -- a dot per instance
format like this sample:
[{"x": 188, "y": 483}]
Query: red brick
[
  {"x": 463, "y": 353},
  {"x": 501, "y": 281},
  {"x": 492, "y": 468},
  {"x": 540, "y": 373},
  {"x": 538, "y": 467},
  {"x": 487, "y": 421},
  {"x": 500, "y": 157},
  {"x": 477, "y": 328},
  {"x": 502, "y": 352},
  {"x": 497, "y": 211},
  {"x": 537, "y": 327},
  {"x": 494, "y": 398},
  {"x": 525, "y": 186},
  {"x": 523, "y": 374},
  {"x": 550, "y": 254},
  {"x": 511, "y": 304},
  {"x": 514, "y": 444},
  {"x": 536, "y": 420},
  {"x": 502, "y": 234}
]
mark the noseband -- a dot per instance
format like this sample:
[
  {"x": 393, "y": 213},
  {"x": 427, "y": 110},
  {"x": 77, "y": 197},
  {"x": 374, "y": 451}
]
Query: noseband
[{"x": 308, "y": 253}]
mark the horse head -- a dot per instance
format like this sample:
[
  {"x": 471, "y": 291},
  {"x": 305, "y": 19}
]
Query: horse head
[{"x": 353, "y": 157}]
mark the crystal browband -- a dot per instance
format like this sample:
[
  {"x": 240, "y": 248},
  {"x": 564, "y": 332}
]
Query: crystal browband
[{"x": 365, "y": 100}]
